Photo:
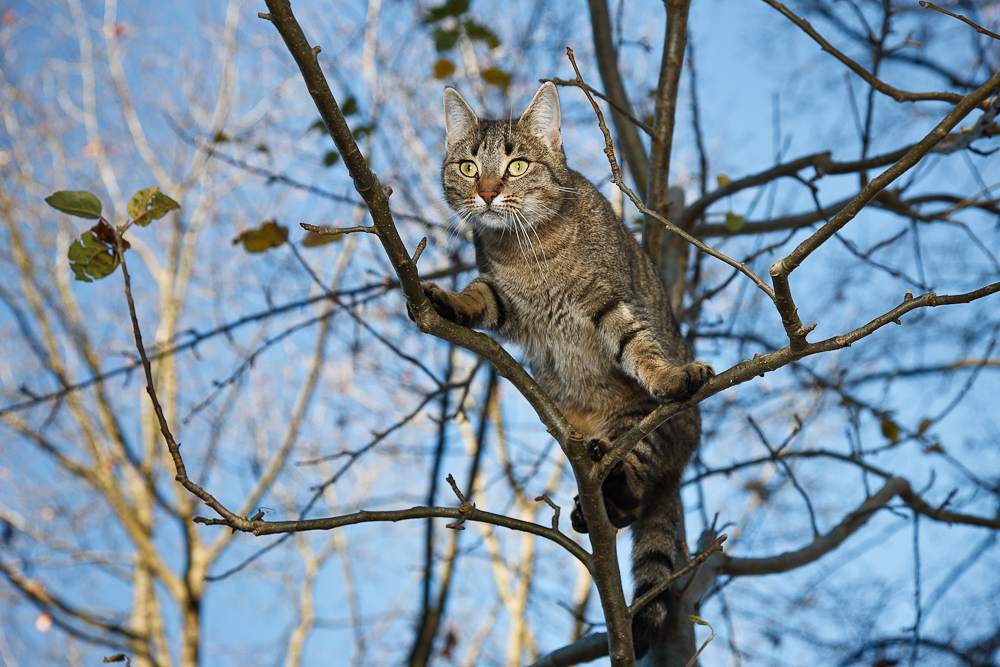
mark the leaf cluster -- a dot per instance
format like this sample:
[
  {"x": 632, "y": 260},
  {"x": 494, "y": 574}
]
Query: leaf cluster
[
  {"x": 446, "y": 34},
  {"x": 95, "y": 254}
]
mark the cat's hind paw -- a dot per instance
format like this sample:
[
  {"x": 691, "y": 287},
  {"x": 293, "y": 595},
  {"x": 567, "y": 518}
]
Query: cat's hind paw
[
  {"x": 576, "y": 517},
  {"x": 597, "y": 448}
]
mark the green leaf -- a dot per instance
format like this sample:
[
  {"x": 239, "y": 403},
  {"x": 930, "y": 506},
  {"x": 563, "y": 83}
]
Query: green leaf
[
  {"x": 262, "y": 148},
  {"x": 331, "y": 158},
  {"x": 734, "y": 222},
  {"x": 313, "y": 239},
  {"x": 449, "y": 8},
  {"x": 150, "y": 204},
  {"x": 137, "y": 205},
  {"x": 220, "y": 137},
  {"x": 924, "y": 425},
  {"x": 481, "y": 33},
  {"x": 349, "y": 107},
  {"x": 445, "y": 39},
  {"x": 723, "y": 181},
  {"x": 90, "y": 258},
  {"x": 443, "y": 68},
  {"x": 318, "y": 126},
  {"x": 696, "y": 619},
  {"x": 496, "y": 77},
  {"x": 80, "y": 203},
  {"x": 267, "y": 236}
]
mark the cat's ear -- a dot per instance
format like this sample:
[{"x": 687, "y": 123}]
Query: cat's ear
[
  {"x": 541, "y": 118},
  {"x": 459, "y": 118}
]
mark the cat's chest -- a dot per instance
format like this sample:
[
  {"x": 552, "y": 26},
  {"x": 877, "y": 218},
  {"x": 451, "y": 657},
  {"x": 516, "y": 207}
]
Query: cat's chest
[{"x": 549, "y": 311}]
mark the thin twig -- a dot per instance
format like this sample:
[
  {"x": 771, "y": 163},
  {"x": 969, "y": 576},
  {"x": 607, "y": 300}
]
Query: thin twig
[
  {"x": 635, "y": 121},
  {"x": 555, "y": 509},
  {"x": 694, "y": 658},
  {"x": 873, "y": 81},
  {"x": 172, "y": 446},
  {"x": 689, "y": 567},
  {"x": 333, "y": 231},
  {"x": 978, "y": 28},
  {"x": 617, "y": 178},
  {"x": 473, "y": 513}
]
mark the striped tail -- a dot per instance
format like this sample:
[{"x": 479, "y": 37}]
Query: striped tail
[{"x": 655, "y": 551}]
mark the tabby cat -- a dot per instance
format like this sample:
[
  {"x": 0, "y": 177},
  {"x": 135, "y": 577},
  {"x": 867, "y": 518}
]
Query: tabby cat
[{"x": 560, "y": 276}]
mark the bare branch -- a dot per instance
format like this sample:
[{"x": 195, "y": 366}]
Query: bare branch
[
  {"x": 583, "y": 650},
  {"x": 874, "y": 82},
  {"x": 617, "y": 177},
  {"x": 689, "y": 567},
  {"x": 979, "y": 29},
  {"x": 781, "y": 269},
  {"x": 671, "y": 67},
  {"x": 894, "y": 486},
  {"x": 465, "y": 513},
  {"x": 607, "y": 65},
  {"x": 334, "y": 231},
  {"x": 596, "y": 93},
  {"x": 172, "y": 446},
  {"x": 761, "y": 364}
]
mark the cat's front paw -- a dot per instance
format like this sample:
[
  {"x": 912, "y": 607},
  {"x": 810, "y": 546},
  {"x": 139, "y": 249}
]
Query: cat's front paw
[
  {"x": 679, "y": 383},
  {"x": 448, "y": 305}
]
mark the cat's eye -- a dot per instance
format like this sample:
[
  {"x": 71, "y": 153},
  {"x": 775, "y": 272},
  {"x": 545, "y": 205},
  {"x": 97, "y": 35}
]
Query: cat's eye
[
  {"x": 517, "y": 167},
  {"x": 468, "y": 168}
]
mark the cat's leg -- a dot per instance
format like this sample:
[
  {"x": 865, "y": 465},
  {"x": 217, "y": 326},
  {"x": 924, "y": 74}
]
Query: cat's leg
[
  {"x": 479, "y": 306},
  {"x": 618, "y": 518},
  {"x": 621, "y": 490},
  {"x": 630, "y": 341}
]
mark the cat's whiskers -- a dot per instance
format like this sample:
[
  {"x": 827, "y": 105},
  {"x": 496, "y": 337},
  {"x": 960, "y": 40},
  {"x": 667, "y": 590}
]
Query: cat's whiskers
[
  {"x": 562, "y": 188},
  {"x": 539, "y": 209},
  {"x": 459, "y": 222},
  {"x": 526, "y": 226},
  {"x": 507, "y": 223}
]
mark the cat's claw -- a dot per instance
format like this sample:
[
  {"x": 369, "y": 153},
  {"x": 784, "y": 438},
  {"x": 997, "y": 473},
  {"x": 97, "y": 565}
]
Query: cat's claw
[{"x": 443, "y": 303}]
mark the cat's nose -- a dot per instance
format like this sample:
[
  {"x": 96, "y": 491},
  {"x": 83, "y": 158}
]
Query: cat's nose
[{"x": 488, "y": 195}]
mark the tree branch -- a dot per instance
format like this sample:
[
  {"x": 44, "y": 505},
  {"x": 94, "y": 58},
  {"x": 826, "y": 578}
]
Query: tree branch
[
  {"x": 894, "y": 486},
  {"x": 467, "y": 512},
  {"x": 607, "y": 65},
  {"x": 674, "y": 45},
  {"x": 874, "y": 82}
]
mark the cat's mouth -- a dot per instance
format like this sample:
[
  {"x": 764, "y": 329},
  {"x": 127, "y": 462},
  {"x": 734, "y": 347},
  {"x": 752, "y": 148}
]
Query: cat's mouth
[{"x": 494, "y": 218}]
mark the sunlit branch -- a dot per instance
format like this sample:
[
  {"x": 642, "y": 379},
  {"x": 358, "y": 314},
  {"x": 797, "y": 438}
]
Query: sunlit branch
[
  {"x": 665, "y": 116},
  {"x": 761, "y": 364},
  {"x": 467, "y": 512},
  {"x": 607, "y": 65},
  {"x": 596, "y": 93},
  {"x": 781, "y": 269},
  {"x": 617, "y": 176}
]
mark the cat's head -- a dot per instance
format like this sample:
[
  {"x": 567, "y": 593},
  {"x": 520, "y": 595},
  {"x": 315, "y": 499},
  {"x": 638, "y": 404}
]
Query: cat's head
[{"x": 504, "y": 174}]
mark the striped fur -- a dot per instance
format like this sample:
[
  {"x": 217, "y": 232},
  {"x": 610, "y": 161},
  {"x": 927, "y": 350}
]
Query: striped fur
[{"x": 560, "y": 276}]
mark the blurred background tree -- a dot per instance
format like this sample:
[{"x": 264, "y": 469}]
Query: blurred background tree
[{"x": 288, "y": 369}]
